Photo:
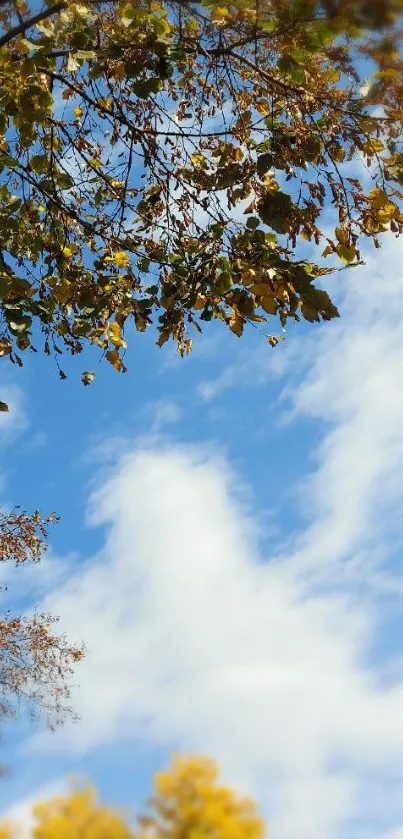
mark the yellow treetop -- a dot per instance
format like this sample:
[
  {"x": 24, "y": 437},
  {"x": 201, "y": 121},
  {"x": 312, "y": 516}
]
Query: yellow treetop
[
  {"x": 78, "y": 816},
  {"x": 190, "y": 802}
]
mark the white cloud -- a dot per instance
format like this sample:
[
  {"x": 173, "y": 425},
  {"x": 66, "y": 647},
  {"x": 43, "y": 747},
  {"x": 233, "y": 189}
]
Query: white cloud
[
  {"x": 354, "y": 384},
  {"x": 13, "y": 423},
  {"x": 194, "y": 641}
]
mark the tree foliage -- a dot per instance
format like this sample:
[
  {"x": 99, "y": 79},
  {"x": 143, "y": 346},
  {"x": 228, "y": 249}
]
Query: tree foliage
[
  {"x": 170, "y": 162},
  {"x": 35, "y": 663},
  {"x": 189, "y": 803}
]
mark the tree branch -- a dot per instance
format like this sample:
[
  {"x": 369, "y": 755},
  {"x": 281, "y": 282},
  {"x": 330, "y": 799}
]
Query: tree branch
[{"x": 32, "y": 21}]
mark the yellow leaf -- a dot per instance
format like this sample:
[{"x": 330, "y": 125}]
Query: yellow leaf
[
  {"x": 78, "y": 112},
  {"x": 373, "y": 146},
  {"x": 115, "y": 335},
  {"x": 337, "y": 152},
  {"x": 342, "y": 235},
  {"x": 197, "y": 158},
  {"x": 105, "y": 102},
  {"x": 82, "y": 11},
  {"x": 388, "y": 212},
  {"x": 67, "y": 252},
  {"x": 219, "y": 14},
  {"x": 347, "y": 253},
  {"x": 262, "y": 107},
  {"x": 236, "y": 325},
  {"x": 388, "y": 74},
  {"x": 248, "y": 276},
  {"x": 114, "y": 359},
  {"x": 378, "y": 198},
  {"x": 200, "y": 303},
  {"x": 122, "y": 259}
]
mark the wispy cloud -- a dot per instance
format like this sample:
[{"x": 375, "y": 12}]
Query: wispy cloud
[{"x": 162, "y": 413}]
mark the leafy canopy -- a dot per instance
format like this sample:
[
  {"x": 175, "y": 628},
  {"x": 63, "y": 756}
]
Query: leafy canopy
[
  {"x": 189, "y": 803},
  {"x": 170, "y": 162}
]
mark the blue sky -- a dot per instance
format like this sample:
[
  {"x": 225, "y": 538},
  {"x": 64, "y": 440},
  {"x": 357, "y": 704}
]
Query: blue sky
[{"x": 229, "y": 549}]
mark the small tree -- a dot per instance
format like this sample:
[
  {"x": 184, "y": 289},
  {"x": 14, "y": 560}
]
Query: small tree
[
  {"x": 35, "y": 663},
  {"x": 78, "y": 816},
  {"x": 191, "y": 803}
]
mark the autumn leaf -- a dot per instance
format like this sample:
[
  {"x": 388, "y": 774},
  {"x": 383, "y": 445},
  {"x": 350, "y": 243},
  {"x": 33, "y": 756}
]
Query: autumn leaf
[
  {"x": 219, "y": 14},
  {"x": 88, "y": 377},
  {"x": 236, "y": 324},
  {"x": 347, "y": 253},
  {"x": 122, "y": 259},
  {"x": 115, "y": 335},
  {"x": 115, "y": 359}
]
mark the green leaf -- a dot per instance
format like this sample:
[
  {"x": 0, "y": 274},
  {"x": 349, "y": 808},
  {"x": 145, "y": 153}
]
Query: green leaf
[
  {"x": 30, "y": 45},
  {"x": 64, "y": 181},
  {"x": 267, "y": 25},
  {"x": 276, "y": 210},
  {"x": 39, "y": 163},
  {"x": 317, "y": 304},
  {"x": 264, "y": 163},
  {"x": 84, "y": 55},
  {"x": 143, "y": 89},
  {"x": 7, "y": 161}
]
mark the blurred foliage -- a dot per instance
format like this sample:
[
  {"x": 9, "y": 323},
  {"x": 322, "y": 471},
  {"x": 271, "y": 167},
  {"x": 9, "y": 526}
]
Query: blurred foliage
[{"x": 189, "y": 803}]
